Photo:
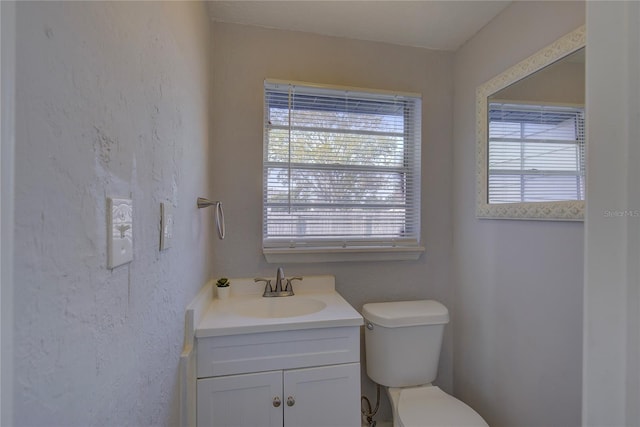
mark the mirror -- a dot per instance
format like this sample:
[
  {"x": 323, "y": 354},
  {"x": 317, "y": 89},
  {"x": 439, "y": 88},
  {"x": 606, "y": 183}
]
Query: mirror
[{"x": 530, "y": 136}]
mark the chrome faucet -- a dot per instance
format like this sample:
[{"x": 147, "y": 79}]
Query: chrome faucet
[
  {"x": 269, "y": 291},
  {"x": 279, "y": 279}
]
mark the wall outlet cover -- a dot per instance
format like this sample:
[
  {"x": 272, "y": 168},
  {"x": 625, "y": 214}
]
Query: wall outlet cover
[
  {"x": 166, "y": 226},
  {"x": 119, "y": 231}
]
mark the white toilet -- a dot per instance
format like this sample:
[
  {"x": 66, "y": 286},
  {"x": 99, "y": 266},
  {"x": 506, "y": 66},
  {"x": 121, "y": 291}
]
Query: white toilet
[{"x": 403, "y": 341}]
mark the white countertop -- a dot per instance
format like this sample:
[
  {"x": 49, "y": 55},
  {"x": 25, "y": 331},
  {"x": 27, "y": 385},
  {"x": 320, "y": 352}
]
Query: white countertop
[{"x": 221, "y": 319}]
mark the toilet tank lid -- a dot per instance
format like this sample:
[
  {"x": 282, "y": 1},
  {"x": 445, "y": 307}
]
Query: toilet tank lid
[{"x": 405, "y": 313}]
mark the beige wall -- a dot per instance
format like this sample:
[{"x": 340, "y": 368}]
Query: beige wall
[
  {"x": 243, "y": 57},
  {"x": 562, "y": 82},
  {"x": 7, "y": 149},
  {"x": 518, "y": 284},
  {"x": 611, "y": 374}
]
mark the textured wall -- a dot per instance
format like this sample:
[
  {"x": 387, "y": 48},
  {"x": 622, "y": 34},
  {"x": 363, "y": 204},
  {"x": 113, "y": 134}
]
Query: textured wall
[
  {"x": 243, "y": 56},
  {"x": 518, "y": 284},
  {"x": 112, "y": 100}
]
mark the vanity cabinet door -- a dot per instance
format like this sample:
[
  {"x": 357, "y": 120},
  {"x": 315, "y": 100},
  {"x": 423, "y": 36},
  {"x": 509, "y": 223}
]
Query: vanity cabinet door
[
  {"x": 250, "y": 400},
  {"x": 326, "y": 396}
]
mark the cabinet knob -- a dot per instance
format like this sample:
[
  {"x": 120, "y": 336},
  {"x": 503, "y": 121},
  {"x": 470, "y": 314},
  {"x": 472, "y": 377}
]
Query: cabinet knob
[
  {"x": 291, "y": 401},
  {"x": 276, "y": 401}
]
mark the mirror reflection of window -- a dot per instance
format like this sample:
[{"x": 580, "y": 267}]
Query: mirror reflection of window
[
  {"x": 530, "y": 145},
  {"x": 536, "y": 153}
]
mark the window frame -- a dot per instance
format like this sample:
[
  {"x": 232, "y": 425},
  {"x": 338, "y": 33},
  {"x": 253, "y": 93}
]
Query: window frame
[{"x": 325, "y": 249}]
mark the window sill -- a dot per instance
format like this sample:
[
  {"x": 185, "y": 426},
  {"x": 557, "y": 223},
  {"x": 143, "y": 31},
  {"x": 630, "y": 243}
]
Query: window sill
[{"x": 315, "y": 255}]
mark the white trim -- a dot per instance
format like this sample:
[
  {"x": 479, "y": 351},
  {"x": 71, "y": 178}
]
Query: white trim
[
  {"x": 313, "y": 255},
  {"x": 187, "y": 367},
  {"x": 276, "y": 83},
  {"x": 564, "y": 211},
  {"x": 7, "y": 150},
  {"x": 545, "y": 103}
]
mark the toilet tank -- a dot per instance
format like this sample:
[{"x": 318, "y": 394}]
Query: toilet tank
[{"x": 403, "y": 341}]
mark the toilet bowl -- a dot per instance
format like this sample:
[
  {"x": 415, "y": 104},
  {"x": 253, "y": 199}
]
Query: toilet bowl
[
  {"x": 402, "y": 343},
  {"x": 429, "y": 406}
]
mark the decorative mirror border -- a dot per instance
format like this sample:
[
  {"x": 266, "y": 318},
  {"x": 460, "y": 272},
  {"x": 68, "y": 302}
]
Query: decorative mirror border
[{"x": 562, "y": 211}]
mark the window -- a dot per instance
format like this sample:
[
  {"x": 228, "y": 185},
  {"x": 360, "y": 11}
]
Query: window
[
  {"x": 341, "y": 170},
  {"x": 536, "y": 153}
]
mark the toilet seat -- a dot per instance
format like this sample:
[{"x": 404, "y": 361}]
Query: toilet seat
[{"x": 428, "y": 406}]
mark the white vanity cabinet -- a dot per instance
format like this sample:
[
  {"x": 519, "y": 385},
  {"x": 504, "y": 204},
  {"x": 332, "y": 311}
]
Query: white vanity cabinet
[
  {"x": 241, "y": 400},
  {"x": 323, "y": 396},
  {"x": 250, "y": 361},
  {"x": 298, "y": 378}
]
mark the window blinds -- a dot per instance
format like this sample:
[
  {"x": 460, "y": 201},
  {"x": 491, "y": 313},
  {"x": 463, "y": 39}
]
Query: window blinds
[
  {"x": 536, "y": 153},
  {"x": 341, "y": 168}
]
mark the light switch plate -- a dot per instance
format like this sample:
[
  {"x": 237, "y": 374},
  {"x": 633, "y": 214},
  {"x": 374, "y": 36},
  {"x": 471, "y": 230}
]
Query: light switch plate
[
  {"x": 166, "y": 226},
  {"x": 120, "y": 231}
]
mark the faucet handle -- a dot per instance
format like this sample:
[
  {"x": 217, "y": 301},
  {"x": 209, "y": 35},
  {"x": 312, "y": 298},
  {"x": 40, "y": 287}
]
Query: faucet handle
[
  {"x": 267, "y": 283},
  {"x": 289, "y": 286}
]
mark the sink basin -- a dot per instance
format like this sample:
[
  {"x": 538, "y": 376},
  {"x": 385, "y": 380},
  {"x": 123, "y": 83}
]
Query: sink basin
[
  {"x": 279, "y": 307},
  {"x": 316, "y": 305}
]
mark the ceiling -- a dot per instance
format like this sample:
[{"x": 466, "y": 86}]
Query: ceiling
[{"x": 440, "y": 25}]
